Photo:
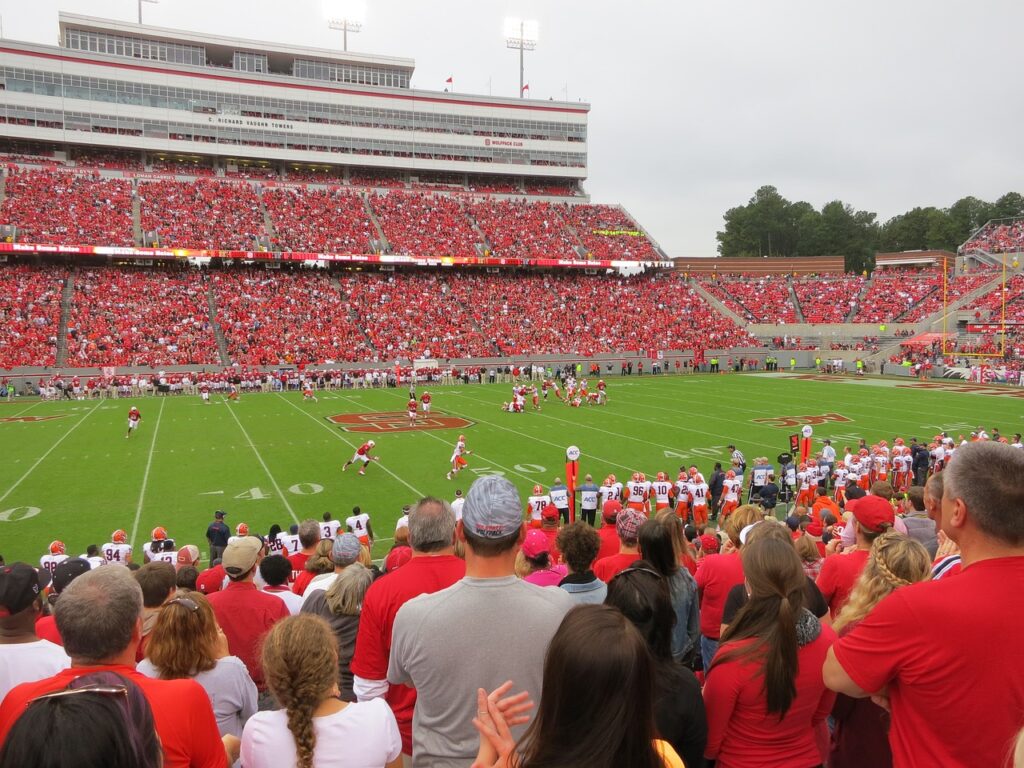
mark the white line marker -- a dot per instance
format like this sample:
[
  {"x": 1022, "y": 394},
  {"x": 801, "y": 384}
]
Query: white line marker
[
  {"x": 266, "y": 469},
  {"x": 145, "y": 475},
  {"x": 39, "y": 461}
]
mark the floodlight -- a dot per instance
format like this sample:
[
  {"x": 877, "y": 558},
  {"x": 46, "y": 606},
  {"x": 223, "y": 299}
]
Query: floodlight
[
  {"x": 521, "y": 34},
  {"x": 154, "y": 2},
  {"x": 346, "y": 15}
]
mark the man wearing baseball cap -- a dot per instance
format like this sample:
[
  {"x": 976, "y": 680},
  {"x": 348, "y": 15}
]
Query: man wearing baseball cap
[
  {"x": 627, "y": 528},
  {"x": 946, "y": 653},
  {"x": 217, "y": 534},
  {"x": 483, "y": 630},
  {"x": 23, "y": 656},
  {"x": 245, "y": 613},
  {"x": 872, "y": 516},
  {"x": 63, "y": 575}
]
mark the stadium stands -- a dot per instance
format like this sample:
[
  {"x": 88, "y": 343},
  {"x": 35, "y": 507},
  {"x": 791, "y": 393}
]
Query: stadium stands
[
  {"x": 30, "y": 308},
  {"x": 68, "y": 209},
  {"x": 299, "y": 318},
  {"x": 993, "y": 302},
  {"x": 518, "y": 229},
  {"x": 827, "y": 299},
  {"x": 318, "y": 220},
  {"x": 998, "y": 237},
  {"x": 893, "y": 292},
  {"x": 957, "y": 287},
  {"x": 424, "y": 225},
  {"x": 204, "y": 214},
  {"x": 124, "y": 317},
  {"x": 608, "y": 232},
  {"x": 762, "y": 299}
]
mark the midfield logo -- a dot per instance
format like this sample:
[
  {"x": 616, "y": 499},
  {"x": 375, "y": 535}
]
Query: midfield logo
[
  {"x": 395, "y": 421},
  {"x": 797, "y": 421},
  {"x": 33, "y": 418}
]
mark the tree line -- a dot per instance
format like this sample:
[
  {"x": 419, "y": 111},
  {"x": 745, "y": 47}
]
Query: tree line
[{"x": 771, "y": 225}]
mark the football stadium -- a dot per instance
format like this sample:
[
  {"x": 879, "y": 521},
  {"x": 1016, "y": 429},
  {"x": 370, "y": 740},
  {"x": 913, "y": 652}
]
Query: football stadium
[{"x": 346, "y": 427}]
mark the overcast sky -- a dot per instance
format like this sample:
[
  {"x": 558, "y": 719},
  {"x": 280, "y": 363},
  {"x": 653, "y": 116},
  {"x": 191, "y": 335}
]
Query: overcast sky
[{"x": 885, "y": 104}]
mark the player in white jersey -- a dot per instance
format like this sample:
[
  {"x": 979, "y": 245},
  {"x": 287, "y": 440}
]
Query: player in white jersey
[
  {"x": 117, "y": 550},
  {"x": 637, "y": 491},
  {"x": 359, "y": 524},
  {"x": 806, "y": 477},
  {"x": 93, "y": 556},
  {"x": 732, "y": 487},
  {"x": 166, "y": 554},
  {"x": 241, "y": 531},
  {"x": 682, "y": 498},
  {"x": 698, "y": 490},
  {"x": 661, "y": 489},
  {"x": 458, "y": 461},
  {"x": 881, "y": 465},
  {"x": 329, "y": 528},
  {"x": 535, "y": 505},
  {"x": 53, "y": 558},
  {"x": 840, "y": 476},
  {"x": 617, "y": 486},
  {"x": 607, "y": 492}
]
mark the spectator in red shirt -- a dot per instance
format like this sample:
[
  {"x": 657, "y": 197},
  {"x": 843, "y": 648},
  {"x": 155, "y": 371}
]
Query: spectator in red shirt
[
  {"x": 243, "y": 612},
  {"x": 433, "y": 567},
  {"x": 861, "y": 729},
  {"x": 719, "y": 573},
  {"x": 901, "y": 651},
  {"x": 764, "y": 696},
  {"x": 627, "y": 527},
  {"x": 872, "y": 516},
  {"x": 99, "y": 616},
  {"x": 609, "y": 538},
  {"x": 309, "y": 537}
]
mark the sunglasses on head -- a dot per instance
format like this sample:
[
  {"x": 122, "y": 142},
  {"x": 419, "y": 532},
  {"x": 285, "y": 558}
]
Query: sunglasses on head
[
  {"x": 104, "y": 690},
  {"x": 186, "y": 602}
]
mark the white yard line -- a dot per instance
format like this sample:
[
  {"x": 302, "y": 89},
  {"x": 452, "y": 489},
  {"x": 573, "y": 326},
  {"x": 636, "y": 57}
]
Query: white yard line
[
  {"x": 145, "y": 475},
  {"x": 338, "y": 435},
  {"x": 428, "y": 433},
  {"x": 259, "y": 458},
  {"x": 53, "y": 447}
]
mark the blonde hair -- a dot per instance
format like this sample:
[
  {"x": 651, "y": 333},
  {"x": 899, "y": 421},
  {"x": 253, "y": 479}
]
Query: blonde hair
[
  {"x": 748, "y": 514},
  {"x": 183, "y": 642},
  {"x": 523, "y": 568},
  {"x": 895, "y": 561},
  {"x": 670, "y": 520},
  {"x": 320, "y": 561},
  {"x": 345, "y": 596},
  {"x": 807, "y": 548},
  {"x": 364, "y": 559},
  {"x": 300, "y": 663}
]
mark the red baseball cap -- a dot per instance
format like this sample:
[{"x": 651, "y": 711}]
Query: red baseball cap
[
  {"x": 873, "y": 513},
  {"x": 708, "y": 544},
  {"x": 550, "y": 512}
]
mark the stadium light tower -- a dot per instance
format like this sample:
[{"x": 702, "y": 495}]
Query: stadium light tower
[
  {"x": 154, "y": 2},
  {"x": 346, "y": 15},
  {"x": 521, "y": 34}
]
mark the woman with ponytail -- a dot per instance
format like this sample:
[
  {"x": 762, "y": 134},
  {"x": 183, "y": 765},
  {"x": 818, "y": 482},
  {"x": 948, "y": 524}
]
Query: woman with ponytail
[
  {"x": 765, "y": 696},
  {"x": 861, "y": 735},
  {"x": 314, "y": 728}
]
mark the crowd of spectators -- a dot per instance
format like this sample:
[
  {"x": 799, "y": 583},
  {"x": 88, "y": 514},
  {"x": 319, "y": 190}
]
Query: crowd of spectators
[
  {"x": 989, "y": 307},
  {"x": 318, "y": 220},
  {"x": 893, "y": 292},
  {"x": 608, "y": 232},
  {"x": 956, "y": 287},
  {"x": 827, "y": 298},
  {"x": 204, "y": 214},
  {"x": 122, "y": 317},
  {"x": 998, "y": 237},
  {"x": 425, "y": 225},
  {"x": 520, "y": 229},
  {"x": 96, "y": 158},
  {"x": 30, "y": 309},
  {"x": 63, "y": 208},
  {"x": 268, "y": 320},
  {"x": 751, "y": 642},
  {"x": 760, "y": 299}
]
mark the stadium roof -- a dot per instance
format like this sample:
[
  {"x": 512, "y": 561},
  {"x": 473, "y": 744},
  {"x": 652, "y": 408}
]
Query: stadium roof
[{"x": 221, "y": 47}]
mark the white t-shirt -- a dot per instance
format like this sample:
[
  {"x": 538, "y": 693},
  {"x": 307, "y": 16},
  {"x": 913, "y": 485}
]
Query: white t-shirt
[
  {"x": 293, "y": 601},
  {"x": 321, "y": 581},
  {"x": 29, "y": 662},
  {"x": 457, "y": 507},
  {"x": 363, "y": 735}
]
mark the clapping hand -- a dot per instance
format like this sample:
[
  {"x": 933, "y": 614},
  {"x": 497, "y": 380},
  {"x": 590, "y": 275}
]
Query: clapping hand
[{"x": 495, "y": 715}]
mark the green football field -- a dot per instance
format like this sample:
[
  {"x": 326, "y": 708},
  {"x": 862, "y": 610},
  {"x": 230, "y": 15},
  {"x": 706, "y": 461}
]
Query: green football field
[{"x": 69, "y": 473}]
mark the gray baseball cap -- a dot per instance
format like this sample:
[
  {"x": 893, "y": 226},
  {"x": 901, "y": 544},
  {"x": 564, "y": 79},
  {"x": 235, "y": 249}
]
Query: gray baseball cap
[
  {"x": 346, "y": 549},
  {"x": 493, "y": 508}
]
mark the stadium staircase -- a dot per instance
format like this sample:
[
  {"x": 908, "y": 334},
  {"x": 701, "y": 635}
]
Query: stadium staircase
[
  {"x": 482, "y": 245},
  {"x": 381, "y": 243},
  {"x": 636, "y": 223},
  {"x": 796, "y": 302},
  {"x": 268, "y": 223},
  {"x": 65, "y": 313},
  {"x": 136, "y": 219},
  {"x": 856, "y": 302},
  {"x": 218, "y": 332},
  {"x": 3, "y": 187},
  {"x": 742, "y": 322},
  {"x": 353, "y": 315}
]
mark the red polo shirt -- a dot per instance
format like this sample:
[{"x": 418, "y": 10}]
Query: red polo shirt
[
  {"x": 181, "y": 712},
  {"x": 608, "y": 567},
  {"x": 609, "y": 541},
  {"x": 246, "y": 615},
  {"x": 421, "y": 575},
  {"x": 716, "y": 575},
  {"x": 838, "y": 575}
]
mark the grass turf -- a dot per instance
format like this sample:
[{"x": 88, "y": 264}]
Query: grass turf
[{"x": 271, "y": 458}]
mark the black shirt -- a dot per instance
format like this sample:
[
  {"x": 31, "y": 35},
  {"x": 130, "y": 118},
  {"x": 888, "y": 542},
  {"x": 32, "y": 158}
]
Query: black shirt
[
  {"x": 679, "y": 712},
  {"x": 217, "y": 534},
  {"x": 814, "y": 602},
  {"x": 769, "y": 495},
  {"x": 716, "y": 485}
]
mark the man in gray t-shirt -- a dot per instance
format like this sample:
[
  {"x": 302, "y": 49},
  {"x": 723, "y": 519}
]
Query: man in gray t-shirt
[{"x": 486, "y": 629}]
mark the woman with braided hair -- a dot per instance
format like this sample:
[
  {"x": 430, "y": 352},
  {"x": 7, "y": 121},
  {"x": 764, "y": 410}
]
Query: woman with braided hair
[
  {"x": 861, "y": 726},
  {"x": 765, "y": 698},
  {"x": 314, "y": 728}
]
